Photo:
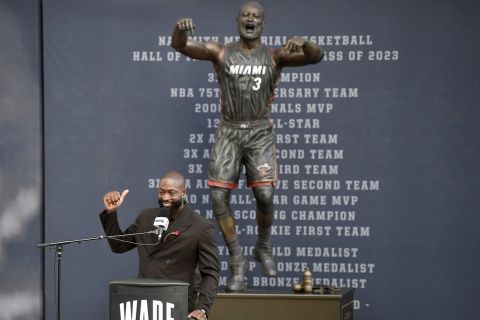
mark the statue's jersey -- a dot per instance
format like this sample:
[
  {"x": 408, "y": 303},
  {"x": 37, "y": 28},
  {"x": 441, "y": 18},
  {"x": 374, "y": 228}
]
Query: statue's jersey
[{"x": 247, "y": 83}]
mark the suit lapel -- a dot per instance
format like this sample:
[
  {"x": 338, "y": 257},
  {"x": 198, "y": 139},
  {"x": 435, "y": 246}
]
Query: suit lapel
[
  {"x": 153, "y": 238},
  {"x": 175, "y": 230}
]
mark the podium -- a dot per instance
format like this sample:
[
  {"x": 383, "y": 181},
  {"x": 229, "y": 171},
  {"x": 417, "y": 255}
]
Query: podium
[
  {"x": 283, "y": 306},
  {"x": 148, "y": 299}
]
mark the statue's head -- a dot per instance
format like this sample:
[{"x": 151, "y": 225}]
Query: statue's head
[{"x": 250, "y": 20}]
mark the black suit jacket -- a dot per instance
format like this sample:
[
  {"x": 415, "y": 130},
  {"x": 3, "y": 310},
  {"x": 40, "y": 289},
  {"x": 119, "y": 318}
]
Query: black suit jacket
[{"x": 176, "y": 256}]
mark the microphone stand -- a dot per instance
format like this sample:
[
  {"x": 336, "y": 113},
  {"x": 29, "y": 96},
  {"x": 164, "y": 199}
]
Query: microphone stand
[{"x": 58, "y": 257}]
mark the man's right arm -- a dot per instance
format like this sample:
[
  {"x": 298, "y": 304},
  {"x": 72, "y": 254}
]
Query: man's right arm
[
  {"x": 112, "y": 228},
  {"x": 209, "y": 50},
  {"x": 108, "y": 217}
]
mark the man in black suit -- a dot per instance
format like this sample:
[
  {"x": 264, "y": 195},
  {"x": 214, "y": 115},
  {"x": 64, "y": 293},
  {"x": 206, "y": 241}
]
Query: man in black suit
[{"x": 188, "y": 242}]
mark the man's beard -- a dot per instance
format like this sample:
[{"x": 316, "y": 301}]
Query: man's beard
[{"x": 174, "y": 204}]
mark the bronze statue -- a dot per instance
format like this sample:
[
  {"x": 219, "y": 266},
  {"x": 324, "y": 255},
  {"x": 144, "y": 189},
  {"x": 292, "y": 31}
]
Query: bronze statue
[{"x": 247, "y": 72}]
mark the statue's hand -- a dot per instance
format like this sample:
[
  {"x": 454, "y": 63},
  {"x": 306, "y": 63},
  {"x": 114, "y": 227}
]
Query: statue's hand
[
  {"x": 295, "y": 44},
  {"x": 185, "y": 24}
]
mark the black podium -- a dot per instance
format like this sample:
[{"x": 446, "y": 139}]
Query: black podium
[{"x": 148, "y": 299}]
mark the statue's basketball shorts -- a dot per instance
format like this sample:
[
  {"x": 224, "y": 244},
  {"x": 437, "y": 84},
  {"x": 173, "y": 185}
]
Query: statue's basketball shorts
[{"x": 237, "y": 144}]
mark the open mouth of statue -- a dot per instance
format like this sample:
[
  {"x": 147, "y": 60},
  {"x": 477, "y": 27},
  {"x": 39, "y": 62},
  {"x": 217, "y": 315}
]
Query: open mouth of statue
[{"x": 250, "y": 27}]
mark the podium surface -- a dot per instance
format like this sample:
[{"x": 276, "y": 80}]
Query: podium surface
[
  {"x": 148, "y": 299},
  {"x": 280, "y": 306}
]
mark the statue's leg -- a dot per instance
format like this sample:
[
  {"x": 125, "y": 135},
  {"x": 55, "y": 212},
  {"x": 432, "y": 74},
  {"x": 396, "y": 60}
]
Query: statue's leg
[
  {"x": 263, "y": 251},
  {"x": 226, "y": 223}
]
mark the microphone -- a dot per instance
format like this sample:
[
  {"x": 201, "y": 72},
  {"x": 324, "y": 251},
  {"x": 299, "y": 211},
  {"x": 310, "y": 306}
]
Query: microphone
[{"x": 162, "y": 224}]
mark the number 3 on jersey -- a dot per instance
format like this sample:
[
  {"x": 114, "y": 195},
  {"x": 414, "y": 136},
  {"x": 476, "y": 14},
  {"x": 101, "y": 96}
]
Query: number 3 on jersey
[{"x": 258, "y": 82}]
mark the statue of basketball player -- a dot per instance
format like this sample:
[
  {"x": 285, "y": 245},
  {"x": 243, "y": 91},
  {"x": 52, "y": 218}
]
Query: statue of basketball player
[{"x": 247, "y": 73}]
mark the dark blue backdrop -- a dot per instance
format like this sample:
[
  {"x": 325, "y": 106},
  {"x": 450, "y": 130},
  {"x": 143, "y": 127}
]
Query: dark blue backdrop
[
  {"x": 20, "y": 160},
  {"x": 406, "y": 124}
]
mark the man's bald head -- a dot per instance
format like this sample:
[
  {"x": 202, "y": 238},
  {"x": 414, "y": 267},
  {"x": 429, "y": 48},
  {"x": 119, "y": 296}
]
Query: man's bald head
[
  {"x": 171, "y": 193},
  {"x": 176, "y": 178}
]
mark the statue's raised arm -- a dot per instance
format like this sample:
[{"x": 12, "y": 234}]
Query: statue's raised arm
[{"x": 209, "y": 50}]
